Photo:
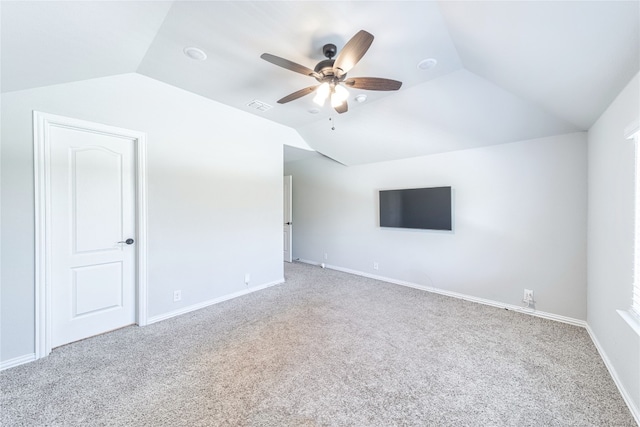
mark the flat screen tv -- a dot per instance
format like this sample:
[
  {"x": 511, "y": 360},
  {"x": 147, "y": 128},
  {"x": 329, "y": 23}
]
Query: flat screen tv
[{"x": 419, "y": 208}]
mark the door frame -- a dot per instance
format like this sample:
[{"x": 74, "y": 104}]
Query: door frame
[
  {"x": 42, "y": 123},
  {"x": 288, "y": 179}
]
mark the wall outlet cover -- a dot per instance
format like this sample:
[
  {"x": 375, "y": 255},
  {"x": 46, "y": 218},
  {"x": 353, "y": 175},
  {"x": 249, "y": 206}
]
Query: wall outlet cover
[{"x": 528, "y": 295}]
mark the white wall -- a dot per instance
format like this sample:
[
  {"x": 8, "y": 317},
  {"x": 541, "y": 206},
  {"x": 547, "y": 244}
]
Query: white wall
[
  {"x": 519, "y": 221},
  {"x": 214, "y": 193},
  {"x": 610, "y": 233}
]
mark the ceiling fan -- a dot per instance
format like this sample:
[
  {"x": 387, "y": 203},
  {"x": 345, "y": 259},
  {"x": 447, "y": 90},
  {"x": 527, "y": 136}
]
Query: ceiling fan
[{"x": 331, "y": 74}]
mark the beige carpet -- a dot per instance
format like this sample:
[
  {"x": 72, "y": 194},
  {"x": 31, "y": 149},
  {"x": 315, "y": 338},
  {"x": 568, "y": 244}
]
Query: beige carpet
[{"x": 324, "y": 349}]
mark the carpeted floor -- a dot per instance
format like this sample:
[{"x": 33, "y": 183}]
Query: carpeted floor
[{"x": 323, "y": 349}]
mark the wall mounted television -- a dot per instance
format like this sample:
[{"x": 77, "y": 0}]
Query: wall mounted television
[{"x": 417, "y": 208}]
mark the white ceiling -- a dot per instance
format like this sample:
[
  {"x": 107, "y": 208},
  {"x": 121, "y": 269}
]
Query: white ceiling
[{"x": 507, "y": 70}]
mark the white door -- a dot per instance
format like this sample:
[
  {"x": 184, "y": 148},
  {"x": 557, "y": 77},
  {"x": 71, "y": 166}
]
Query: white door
[
  {"x": 93, "y": 273},
  {"x": 287, "y": 218}
]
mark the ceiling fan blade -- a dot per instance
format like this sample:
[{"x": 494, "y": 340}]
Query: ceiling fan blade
[
  {"x": 352, "y": 52},
  {"x": 285, "y": 63},
  {"x": 342, "y": 108},
  {"x": 298, "y": 94},
  {"x": 373, "y": 83}
]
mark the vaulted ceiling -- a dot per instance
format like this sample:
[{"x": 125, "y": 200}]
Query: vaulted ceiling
[{"x": 506, "y": 70}]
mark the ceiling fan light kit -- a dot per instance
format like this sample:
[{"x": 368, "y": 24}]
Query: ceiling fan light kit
[
  {"x": 331, "y": 74},
  {"x": 339, "y": 95},
  {"x": 322, "y": 93}
]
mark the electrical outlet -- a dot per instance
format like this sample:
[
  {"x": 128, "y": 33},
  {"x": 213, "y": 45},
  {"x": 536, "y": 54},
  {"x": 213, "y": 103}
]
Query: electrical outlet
[
  {"x": 326, "y": 256},
  {"x": 375, "y": 266},
  {"x": 247, "y": 278},
  {"x": 528, "y": 296},
  {"x": 177, "y": 296}
]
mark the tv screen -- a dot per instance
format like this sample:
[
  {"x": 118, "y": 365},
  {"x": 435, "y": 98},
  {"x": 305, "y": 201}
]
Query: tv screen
[{"x": 421, "y": 208}]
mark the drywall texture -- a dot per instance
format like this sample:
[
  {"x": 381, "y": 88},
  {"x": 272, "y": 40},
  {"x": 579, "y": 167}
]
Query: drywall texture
[
  {"x": 611, "y": 235},
  {"x": 519, "y": 221},
  {"x": 214, "y": 193}
]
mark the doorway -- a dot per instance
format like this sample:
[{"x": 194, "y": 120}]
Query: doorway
[{"x": 90, "y": 229}]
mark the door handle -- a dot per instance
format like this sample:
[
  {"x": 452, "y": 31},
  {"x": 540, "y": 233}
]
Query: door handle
[
  {"x": 128, "y": 241},
  {"x": 287, "y": 223}
]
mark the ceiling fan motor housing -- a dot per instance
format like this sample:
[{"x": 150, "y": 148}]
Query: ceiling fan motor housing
[{"x": 325, "y": 67}]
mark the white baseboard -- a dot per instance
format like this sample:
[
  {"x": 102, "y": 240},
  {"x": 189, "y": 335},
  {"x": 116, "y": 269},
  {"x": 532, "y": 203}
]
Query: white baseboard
[
  {"x": 537, "y": 313},
  {"x": 635, "y": 411},
  {"x": 204, "y": 304},
  {"x": 16, "y": 361},
  {"x": 20, "y": 360}
]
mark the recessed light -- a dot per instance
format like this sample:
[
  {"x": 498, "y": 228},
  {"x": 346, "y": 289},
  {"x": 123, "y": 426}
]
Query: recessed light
[
  {"x": 361, "y": 98},
  {"x": 427, "y": 64},
  {"x": 195, "y": 53}
]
